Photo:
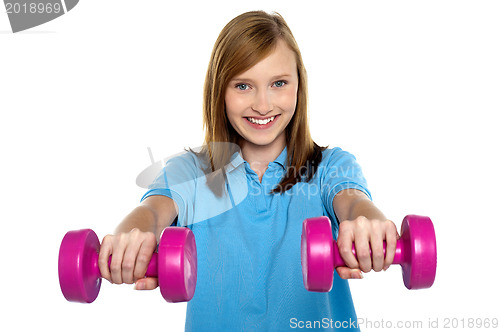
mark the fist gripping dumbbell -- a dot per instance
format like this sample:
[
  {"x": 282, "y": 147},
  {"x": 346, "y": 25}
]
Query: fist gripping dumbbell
[
  {"x": 415, "y": 252},
  {"x": 175, "y": 265}
]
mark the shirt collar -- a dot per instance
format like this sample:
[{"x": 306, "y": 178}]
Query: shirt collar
[
  {"x": 237, "y": 160},
  {"x": 281, "y": 160}
]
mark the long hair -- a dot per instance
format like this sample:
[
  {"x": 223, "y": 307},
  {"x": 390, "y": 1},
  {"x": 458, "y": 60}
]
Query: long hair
[{"x": 243, "y": 42}]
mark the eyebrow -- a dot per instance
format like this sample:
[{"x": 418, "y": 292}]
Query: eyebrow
[{"x": 249, "y": 80}]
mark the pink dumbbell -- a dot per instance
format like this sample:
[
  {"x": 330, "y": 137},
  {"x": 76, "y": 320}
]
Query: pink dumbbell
[
  {"x": 175, "y": 265},
  {"x": 415, "y": 252}
]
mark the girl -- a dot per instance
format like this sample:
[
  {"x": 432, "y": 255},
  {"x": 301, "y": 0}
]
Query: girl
[{"x": 249, "y": 270}]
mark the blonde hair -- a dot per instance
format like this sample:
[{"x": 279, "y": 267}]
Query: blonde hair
[{"x": 243, "y": 42}]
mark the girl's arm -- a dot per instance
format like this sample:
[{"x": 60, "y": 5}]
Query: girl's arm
[
  {"x": 152, "y": 215},
  {"x": 364, "y": 224},
  {"x": 134, "y": 242}
]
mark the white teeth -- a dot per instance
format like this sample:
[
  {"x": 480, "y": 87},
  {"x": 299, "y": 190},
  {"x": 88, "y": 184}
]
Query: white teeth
[{"x": 261, "y": 122}]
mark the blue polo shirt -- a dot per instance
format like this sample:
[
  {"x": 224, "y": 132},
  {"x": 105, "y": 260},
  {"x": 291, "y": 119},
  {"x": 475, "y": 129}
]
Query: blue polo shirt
[{"x": 248, "y": 243}]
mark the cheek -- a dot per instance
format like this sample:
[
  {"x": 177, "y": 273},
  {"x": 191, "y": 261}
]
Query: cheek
[
  {"x": 229, "y": 106},
  {"x": 234, "y": 104},
  {"x": 288, "y": 101},
  {"x": 233, "y": 108}
]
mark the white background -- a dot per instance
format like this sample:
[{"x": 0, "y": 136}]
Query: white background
[{"x": 410, "y": 88}]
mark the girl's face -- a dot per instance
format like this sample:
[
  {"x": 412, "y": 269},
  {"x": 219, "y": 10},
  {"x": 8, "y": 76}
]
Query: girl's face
[{"x": 261, "y": 101}]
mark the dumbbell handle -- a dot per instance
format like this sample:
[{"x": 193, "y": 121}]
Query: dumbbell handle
[
  {"x": 152, "y": 270},
  {"x": 398, "y": 257}
]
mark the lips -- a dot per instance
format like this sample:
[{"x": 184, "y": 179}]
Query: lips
[{"x": 262, "y": 123}]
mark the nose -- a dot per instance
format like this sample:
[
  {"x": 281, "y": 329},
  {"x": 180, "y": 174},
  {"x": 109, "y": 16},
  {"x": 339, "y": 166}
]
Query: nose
[{"x": 262, "y": 102}]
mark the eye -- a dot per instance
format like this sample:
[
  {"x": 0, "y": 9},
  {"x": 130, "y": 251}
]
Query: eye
[
  {"x": 242, "y": 86},
  {"x": 279, "y": 84}
]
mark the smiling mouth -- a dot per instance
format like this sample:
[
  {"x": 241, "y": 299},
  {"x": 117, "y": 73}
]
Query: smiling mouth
[{"x": 261, "y": 121}]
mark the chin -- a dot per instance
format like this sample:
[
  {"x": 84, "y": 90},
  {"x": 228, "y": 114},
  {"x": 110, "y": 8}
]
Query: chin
[{"x": 261, "y": 141}]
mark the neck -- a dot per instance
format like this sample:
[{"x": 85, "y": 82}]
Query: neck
[{"x": 259, "y": 157}]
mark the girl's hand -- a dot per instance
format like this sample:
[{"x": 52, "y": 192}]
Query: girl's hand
[
  {"x": 131, "y": 253},
  {"x": 366, "y": 234}
]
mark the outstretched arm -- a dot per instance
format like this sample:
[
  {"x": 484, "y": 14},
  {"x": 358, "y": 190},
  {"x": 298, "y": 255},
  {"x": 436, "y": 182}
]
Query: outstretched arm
[{"x": 134, "y": 242}]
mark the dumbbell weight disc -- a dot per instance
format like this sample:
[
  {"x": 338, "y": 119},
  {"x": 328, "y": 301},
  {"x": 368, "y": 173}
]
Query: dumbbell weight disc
[
  {"x": 317, "y": 254},
  {"x": 77, "y": 256},
  {"x": 177, "y": 264},
  {"x": 420, "y": 262}
]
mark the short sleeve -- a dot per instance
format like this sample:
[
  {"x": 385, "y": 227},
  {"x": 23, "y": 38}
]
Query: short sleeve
[
  {"x": 177, "y": 180},
  {"x": 339, "y": 170},
  {"x": 198, "y": 193}
]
